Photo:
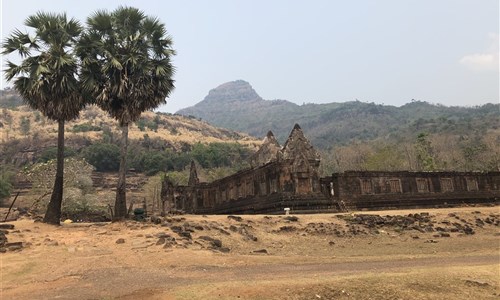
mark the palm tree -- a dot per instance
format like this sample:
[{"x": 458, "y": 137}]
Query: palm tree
[
  {"x": 46, "y": 78},
  {"x": 126, "y": 67}
]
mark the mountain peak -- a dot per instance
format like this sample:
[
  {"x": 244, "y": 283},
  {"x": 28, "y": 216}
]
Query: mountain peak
[{"x": 233, "y": 91}]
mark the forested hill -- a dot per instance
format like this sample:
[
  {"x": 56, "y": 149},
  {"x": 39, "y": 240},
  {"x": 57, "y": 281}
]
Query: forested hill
[{"x": 236, "y": 105}]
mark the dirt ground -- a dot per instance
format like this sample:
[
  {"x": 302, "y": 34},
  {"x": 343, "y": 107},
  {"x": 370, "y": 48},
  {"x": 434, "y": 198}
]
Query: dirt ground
[{"x": 450, "y": 253}]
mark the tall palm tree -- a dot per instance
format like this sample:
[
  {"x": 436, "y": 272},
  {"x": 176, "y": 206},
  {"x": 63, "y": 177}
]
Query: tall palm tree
[
  {"x": 47, "y": 80},
  {"x": 126, "y": 66}
]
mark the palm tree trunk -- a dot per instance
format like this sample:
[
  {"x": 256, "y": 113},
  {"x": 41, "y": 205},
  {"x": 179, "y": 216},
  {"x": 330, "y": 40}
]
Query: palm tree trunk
[
  {"x": 121, "y": 201},
  {"x": 53, "y": 214}
]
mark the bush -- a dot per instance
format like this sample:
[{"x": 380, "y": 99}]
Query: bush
[
  {"x": 25, "y": 126},
  {"x": 5, "y": 184},
  {"x": 178, "y": 177},
  {"x": 151, "y": 162},
  {"x": 79, "y": 206},
  {"x": 51, "y": 153},
  {"x": 216, "y": 155},
  {"x": 104, "y": 157},
  {"x": 155, "y": 163},
  {"x": 85, "y": 127},
  {"x": 77, "y": 181},
  {"x": 144, "y": 122}
]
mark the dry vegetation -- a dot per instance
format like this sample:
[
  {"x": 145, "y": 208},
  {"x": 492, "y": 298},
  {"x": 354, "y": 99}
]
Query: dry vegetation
[
  {"x": 376, "y": 255},
  {"x": 174, "y": 128}
]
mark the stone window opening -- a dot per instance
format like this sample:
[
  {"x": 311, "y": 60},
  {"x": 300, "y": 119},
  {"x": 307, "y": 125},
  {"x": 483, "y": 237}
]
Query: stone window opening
[
  {"x": 422, "y": 185},
  {"x": 471, "y": 184},
  {"x": 366, "y": 186},
  {"x": 446, "y": 185},
  {"x": 394, "y": 185}
]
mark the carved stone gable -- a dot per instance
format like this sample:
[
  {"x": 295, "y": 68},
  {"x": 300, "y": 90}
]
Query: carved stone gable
[
  {"x": 297, "y": 146},
  {"x": 267, "y": 152},
  {"x": 301, "y": 165}
]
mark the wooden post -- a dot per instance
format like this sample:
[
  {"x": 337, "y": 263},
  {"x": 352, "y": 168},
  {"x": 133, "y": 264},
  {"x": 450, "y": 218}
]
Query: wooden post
[{"x": 10, "y": 207}]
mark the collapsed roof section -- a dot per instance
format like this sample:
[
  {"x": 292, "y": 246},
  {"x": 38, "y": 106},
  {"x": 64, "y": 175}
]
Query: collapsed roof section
[{"x": 267, "y": 152}]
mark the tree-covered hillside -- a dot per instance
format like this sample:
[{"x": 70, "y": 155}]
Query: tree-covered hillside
[{"x": 235, "y": 105}]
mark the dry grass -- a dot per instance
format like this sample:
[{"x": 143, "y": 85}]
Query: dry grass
[
  {"x": 83, "y": 261},
  {"x": 176, "y": 129},
  {"x": 479, "y": 282}
]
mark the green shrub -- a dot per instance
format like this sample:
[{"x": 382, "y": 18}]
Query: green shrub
[
  {"x": 85, "y": 127},
  {"x": 144, "y": 122},
  {"x": 5, "y": 184},
  {"x": 51, "y": 153},
  {"x": 216, "y": 155},
  {"x": 155, "y": 163},
  {"x": 104, "y": 157}
]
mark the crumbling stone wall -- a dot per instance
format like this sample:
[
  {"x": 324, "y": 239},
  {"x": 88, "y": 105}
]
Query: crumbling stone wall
[
  {"x": 377, "y": 190},
  {"x": 277, "y": 173},
  {"x": 288, "y": 176},
  {"x": 267, "y": 152}
]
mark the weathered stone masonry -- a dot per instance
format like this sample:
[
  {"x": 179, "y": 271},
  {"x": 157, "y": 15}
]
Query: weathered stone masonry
[
  {"x": 376, "y": 190},
  {"x": 288, "y": 177},
  {"x": 279, "y": 177}
]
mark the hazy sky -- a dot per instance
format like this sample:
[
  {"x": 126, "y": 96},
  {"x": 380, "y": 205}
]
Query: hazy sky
[{"x": 384, "y": 51}]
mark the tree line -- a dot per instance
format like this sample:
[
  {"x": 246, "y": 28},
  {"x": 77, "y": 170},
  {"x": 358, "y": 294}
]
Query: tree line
[
  {"x": 423, "y": 152},
  {"x": 105, "y": 157}
]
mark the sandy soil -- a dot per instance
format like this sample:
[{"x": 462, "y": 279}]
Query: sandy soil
[{"x": 414, "y": 254}]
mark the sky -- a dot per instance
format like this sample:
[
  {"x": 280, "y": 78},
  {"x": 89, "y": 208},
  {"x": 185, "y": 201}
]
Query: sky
[{"x": 319, "y": 51}]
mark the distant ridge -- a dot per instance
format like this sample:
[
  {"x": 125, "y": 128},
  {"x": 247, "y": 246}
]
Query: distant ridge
[{"x": 237, "y": 106}]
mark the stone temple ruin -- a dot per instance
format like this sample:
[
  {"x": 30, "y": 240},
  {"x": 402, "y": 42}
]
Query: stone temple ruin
[{"x": 288, "y": 177}]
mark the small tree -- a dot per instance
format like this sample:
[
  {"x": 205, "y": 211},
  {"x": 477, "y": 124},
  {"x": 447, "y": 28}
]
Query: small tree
[
  {"x": 7, "y": 120},
  {"x": 425, "y": 155},
  {"x": 76, "y": 176},
  {"x": 6, "y": 178},
  {"x": 7, "y": 117},
  {"x": 104, "y": 157},
  {"x": 25, "y": 126},
  {"x": 152, "y": 189},
  {"x": 155, "y": 162}
]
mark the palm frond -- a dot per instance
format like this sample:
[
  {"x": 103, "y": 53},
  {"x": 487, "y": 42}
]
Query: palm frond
[
  {"x": 125, "y": 62},
  {"x": 46, "y": 77}
]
